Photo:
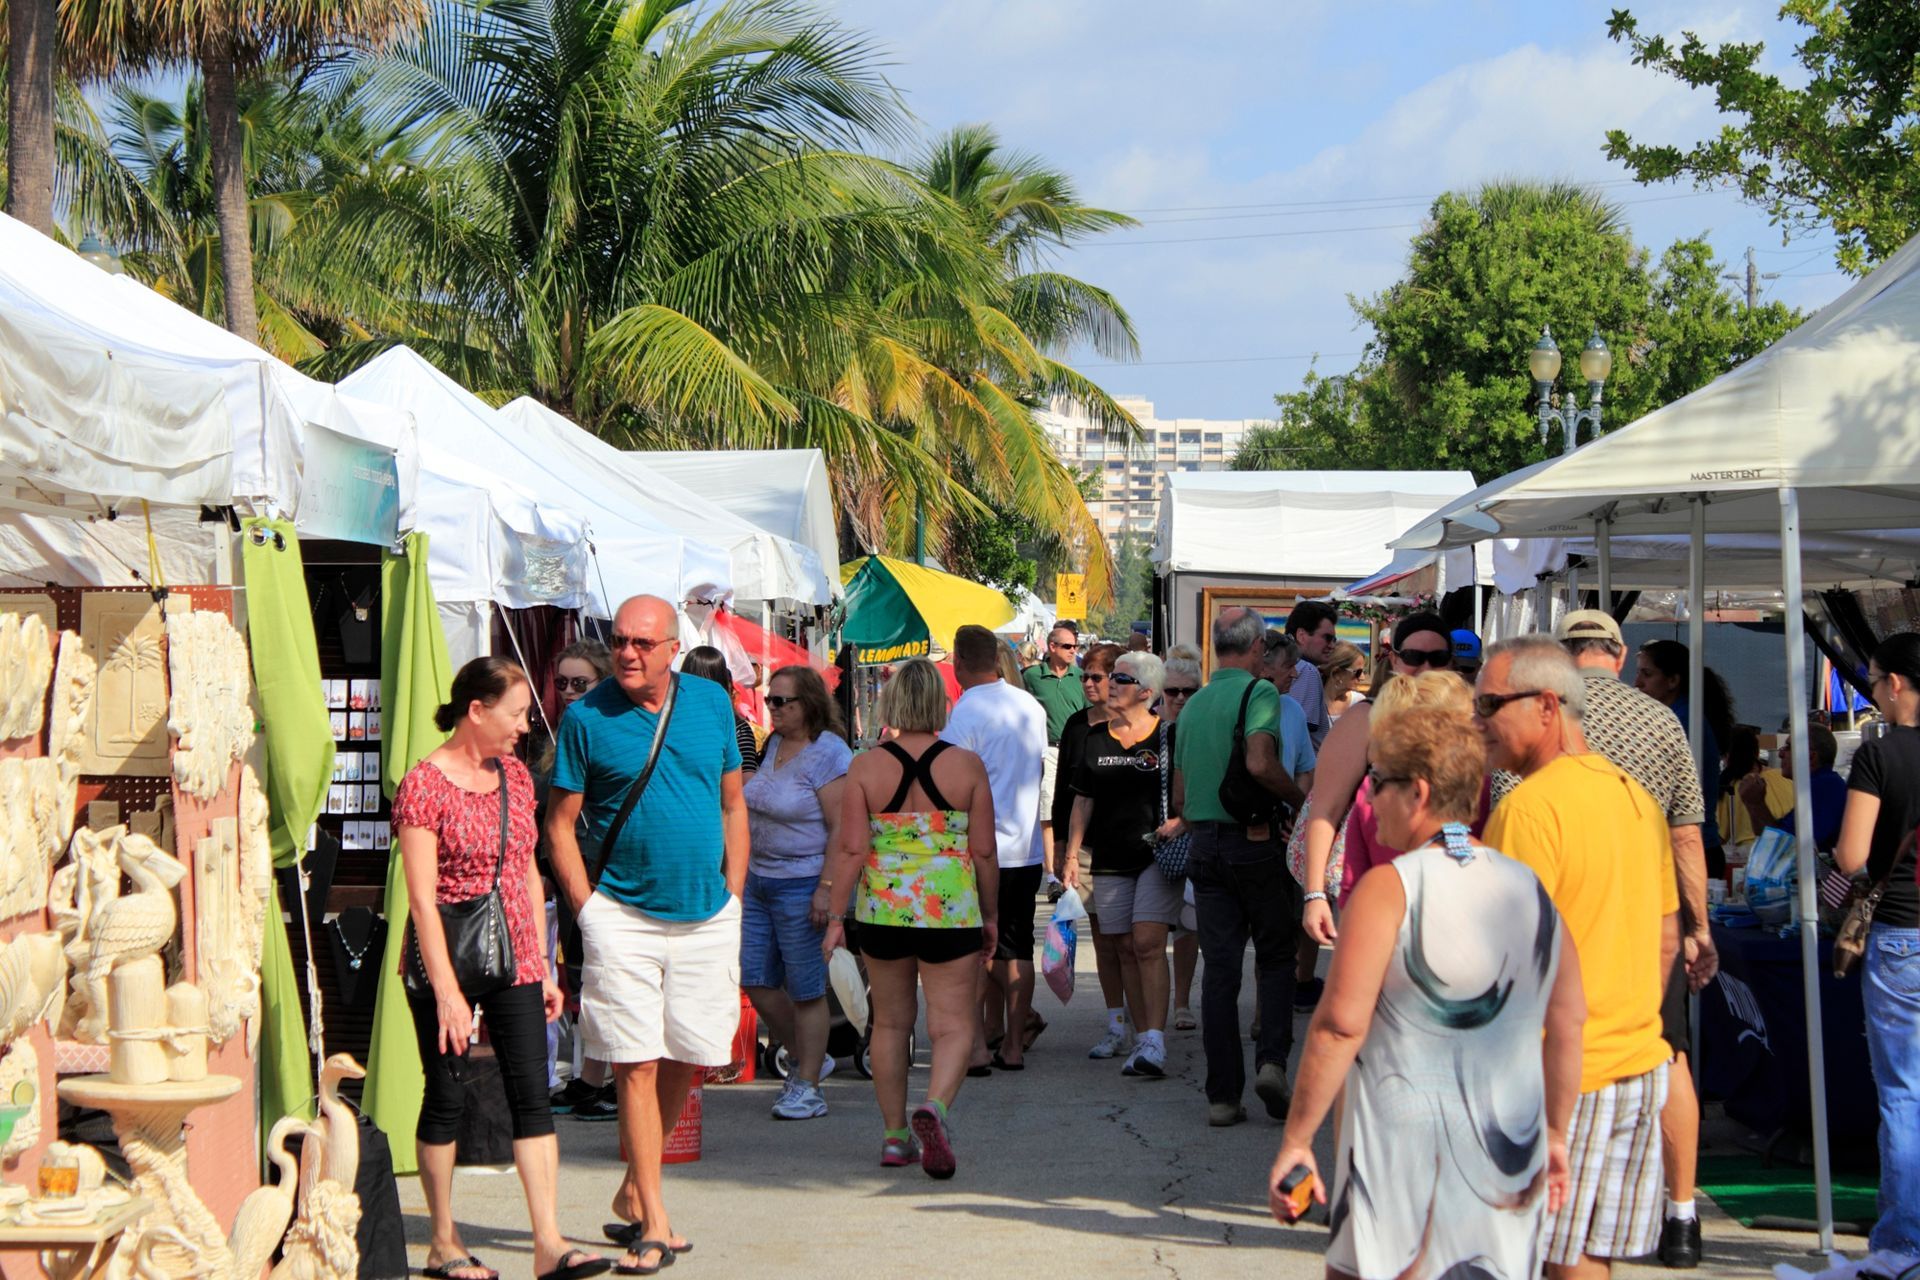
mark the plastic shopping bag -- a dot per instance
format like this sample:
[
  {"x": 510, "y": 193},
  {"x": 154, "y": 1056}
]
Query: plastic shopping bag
[
  {"x": 1056, "y": 956},
  {"x": 1772, "y": 877}
]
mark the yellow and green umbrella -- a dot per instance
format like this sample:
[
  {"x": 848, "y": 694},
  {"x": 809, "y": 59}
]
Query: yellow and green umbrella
[{"x": 897, "y": 610}]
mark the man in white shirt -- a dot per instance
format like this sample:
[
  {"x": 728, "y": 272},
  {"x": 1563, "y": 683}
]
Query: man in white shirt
[{"x": 1006, "y": 727}]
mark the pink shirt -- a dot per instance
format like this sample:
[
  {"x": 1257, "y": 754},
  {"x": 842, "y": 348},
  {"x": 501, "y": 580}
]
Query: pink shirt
[{"x": 1363, "y": 848}]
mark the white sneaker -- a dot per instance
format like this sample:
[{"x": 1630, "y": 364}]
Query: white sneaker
[
  {"x": 827, "y": 1066},
  {"x": 800, "y": 1101},
  {"x": 1111, "y": 1044},
  {"x": 1147, "y": 1059}
]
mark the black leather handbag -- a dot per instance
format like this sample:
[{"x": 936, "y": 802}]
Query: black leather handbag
[
  {"x": 1242, "y": 795},
  {"x": 478, "y": 943}
]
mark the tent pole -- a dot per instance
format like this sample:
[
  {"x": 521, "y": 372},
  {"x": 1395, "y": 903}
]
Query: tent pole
[
  {"x": 1803, "y": 840},
  {"x": 1603, "y": 541},
  {"x": 1697, "y": 716}
]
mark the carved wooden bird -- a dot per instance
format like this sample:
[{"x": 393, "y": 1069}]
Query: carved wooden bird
[{"x": 132, "y": 926}]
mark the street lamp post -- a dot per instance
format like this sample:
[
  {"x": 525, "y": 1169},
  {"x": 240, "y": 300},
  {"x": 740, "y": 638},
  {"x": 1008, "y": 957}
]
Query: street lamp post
[{"x": 1596, "y": 362}]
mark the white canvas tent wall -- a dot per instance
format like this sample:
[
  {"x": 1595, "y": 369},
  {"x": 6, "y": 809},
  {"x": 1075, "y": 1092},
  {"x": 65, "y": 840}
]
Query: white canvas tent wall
[
  {"x": 554, "y": 507},
  {"x": 1318, "y": 529},
  {"x": 1819, "y": 433},
  {"x": 784, "y": 491},
  {"x": 765, "y": 566}
]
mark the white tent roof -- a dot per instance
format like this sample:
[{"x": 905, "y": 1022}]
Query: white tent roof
[
  {"x": 1832, "y": 409},
  {"x": 266, "y": 401},
  {"x": 552, "y": 505},
  {"x": 784, "y": 491},
  {"x": 1294, "y": 524},
  {"x": 765, "y": 565}
]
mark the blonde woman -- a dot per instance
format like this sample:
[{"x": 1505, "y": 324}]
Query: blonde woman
[{"x": 1341, "y": 672}]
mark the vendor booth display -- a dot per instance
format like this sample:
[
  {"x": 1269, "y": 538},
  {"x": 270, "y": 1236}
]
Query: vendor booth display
[{"x": 896, "y": 610}]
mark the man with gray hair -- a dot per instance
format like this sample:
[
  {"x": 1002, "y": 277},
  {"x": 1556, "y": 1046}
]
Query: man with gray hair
[
  {"x": 1644, "y": 737},
  {"x": 1241, "y": 887},
  {"x": 1599, "y": 844}
]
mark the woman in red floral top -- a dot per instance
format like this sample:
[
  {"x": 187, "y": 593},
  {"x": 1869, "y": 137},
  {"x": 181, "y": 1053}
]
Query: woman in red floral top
[{"x": 447, "y": 814}]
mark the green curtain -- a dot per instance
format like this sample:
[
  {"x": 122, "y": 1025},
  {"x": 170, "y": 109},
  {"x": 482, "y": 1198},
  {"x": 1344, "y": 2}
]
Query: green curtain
[
  {"x": 299, "y": 742},
  {"x": 416, "y": 677}
]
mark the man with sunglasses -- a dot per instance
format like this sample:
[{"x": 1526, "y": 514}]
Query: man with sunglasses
[
  {"x": 1599, "y": 844},
  {"x": 660, "y": 918},
  {"x": 1055, "y": 682}
]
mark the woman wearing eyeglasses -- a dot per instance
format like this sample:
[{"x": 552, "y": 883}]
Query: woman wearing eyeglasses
[
  {"x": 589, "y": 1096},
  {"x": 793, "y": 818},
  {"x": 1182, "y": 682},
  {"x": 1117, "y": 788},
  {"x": 1421, "y": 642},
  {"x": 1452, "y": 1141},
  {"x": 1095, "y": 669},
  {"x": 1341, "y": 672}
]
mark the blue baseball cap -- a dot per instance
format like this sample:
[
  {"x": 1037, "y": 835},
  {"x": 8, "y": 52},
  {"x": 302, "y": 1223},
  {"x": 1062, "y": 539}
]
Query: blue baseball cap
[{"x": 1466, "y": 646}]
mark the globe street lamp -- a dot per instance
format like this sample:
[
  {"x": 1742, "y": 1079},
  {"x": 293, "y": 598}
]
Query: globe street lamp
[{"x": 1596, "y": 362}]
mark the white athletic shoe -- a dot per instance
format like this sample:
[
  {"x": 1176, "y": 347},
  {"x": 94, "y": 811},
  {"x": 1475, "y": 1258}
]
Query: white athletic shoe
[
  {"x": 1147, "y": 1059},
  {"x": 800, "y": 1101},
  {"x": 1112, "y": 1044}
]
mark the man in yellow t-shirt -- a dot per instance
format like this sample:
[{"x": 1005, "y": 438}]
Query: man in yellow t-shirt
[{"x": 1599, "y": 844}]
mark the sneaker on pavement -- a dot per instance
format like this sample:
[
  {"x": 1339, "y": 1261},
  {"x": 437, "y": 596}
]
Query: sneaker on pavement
[
  {"x": 898, "y": 1153},
  {"x": 1307, "y": 994},
  {"x": 827, "y": 1066},
  {"x": 800, "y": 1101},
  {"x": 1270, "y": 1084},
  {"x": 604, "y": 1105},
  {"x": 1680, "y": 1244},
  {"x": 1147, "y": 1059},
  {"x": 1111, "y": 1044},
  {"x": 571, "y": 1095},
  {"x": 1222, "y": 1114},
  {"x": 935, "y": 1133}
]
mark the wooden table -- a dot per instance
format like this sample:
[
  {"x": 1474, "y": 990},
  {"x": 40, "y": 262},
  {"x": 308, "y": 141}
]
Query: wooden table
[{"x": 83, "y": 1244}]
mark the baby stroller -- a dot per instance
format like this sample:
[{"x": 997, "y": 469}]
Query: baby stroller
[{"x": 844, "y": 1039}]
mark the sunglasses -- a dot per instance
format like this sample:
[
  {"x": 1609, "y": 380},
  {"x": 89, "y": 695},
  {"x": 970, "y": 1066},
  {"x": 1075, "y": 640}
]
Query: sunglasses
[
  {"x": 1180, "y": 691},
  {"x": 618, "y": 642},
  {"x": 1379, "y": 779},
  {"x": 1487, "y": 705},
  {"x": 1435, "y": 658},
  {"x": 1059, "y": 644},
  {"x": 575, "y": 684},
  {"x": 1093, "y": 677},
  {"x": 1122, "y": 678},
  {"x": 711, "y": 603},
  {"x": 1357, "y": 672},
  {"x": 775, "y": 701}
]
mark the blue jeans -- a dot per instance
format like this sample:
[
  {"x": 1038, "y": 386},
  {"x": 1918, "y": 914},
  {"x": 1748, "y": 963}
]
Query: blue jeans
[
  {"x": 779, "y": 947},
  {"x": 1892, "y": 996}
]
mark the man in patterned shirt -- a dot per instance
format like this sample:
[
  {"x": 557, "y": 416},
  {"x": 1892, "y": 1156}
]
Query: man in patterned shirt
[{"x": 1644, "y": 738}]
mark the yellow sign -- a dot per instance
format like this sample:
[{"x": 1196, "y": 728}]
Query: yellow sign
[{"x": 1070, "y": 596}]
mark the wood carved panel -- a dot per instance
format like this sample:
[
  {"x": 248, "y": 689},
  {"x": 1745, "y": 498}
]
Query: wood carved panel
[
  {"x": 126, "y": 725},
  {"x": 212, "y": 708},
  {"x": 26, "y": 664}
]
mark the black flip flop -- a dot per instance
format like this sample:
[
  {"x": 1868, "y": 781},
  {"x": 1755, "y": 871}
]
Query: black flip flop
[
  {"x": 638, "y": 1247},
  {"x": 626, "y": 1234},
  {"x": 979, "y": 1073},
  {"x": 469, "y": 1263},
  {"x": 580, "y": 1270},
  {"x": 1001, "y": 1064}
]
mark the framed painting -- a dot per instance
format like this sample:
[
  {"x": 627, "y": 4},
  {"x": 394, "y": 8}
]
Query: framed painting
[{"x": 1273, "y": 604}]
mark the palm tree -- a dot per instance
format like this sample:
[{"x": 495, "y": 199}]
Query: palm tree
[
  {"x": 31, "y": 60},
  {"x": 228, "y": 40}
]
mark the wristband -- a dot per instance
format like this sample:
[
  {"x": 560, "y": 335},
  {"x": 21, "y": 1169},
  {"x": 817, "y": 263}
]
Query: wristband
[{"x": 1316, "y": 896}]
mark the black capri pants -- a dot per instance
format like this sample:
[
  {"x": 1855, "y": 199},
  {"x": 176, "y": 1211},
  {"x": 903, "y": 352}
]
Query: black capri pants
[{"x": 516, "y": 1020}]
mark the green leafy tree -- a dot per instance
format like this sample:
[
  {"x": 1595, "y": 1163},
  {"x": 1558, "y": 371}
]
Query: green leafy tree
[
  {"x": 1132, "y": 592},
  {"x": 1841, "y": 149},
  {"x": 1443, "y": 383}
]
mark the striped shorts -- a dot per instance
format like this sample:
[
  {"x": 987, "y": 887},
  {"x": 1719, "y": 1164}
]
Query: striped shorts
[{"x": 1613, "y": 1206}]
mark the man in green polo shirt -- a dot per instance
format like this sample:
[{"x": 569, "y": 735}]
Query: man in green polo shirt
[
  {"x": 1055, "y": 682},
  {"x": 1241, "y": 886}
]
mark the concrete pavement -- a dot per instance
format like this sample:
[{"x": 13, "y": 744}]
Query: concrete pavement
[{"x": 1067, "y": 1167}]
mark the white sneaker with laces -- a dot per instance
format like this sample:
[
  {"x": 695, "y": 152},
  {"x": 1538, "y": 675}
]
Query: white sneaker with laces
[
  {"x": 827, "y": 1066},
  {"x": 800, "y": 1101},
  {"x": 1111, "y": 1044},
  {"x": 1147, "y": 1059}
]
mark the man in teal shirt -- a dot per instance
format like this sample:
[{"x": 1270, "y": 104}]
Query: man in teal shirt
[
  {"x": 1241, "y": 886},
  {"x": 1055, "y": 682}
]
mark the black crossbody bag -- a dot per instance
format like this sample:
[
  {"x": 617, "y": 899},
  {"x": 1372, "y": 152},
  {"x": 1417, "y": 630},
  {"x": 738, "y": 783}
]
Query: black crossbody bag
[
  {"x": 1241, "y": 794},
  {"x": 478, "y": 944},
  {"x": 639, "y": 785}
]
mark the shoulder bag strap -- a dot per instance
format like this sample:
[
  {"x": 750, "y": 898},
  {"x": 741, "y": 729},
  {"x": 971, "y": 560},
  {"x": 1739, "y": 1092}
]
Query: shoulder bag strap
[
  {"x": 1166, "y": 774},
  {"x": 646, "y": 772},
  {"x": 1240, "y": 722},
  {"x": 500, "y": 864}
]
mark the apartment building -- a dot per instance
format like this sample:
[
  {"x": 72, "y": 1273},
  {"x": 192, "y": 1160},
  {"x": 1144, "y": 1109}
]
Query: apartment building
[{"x": 1132, "y": 475}]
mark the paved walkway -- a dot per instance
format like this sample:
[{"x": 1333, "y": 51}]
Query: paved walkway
[{"x": 1067, "y": 1167}]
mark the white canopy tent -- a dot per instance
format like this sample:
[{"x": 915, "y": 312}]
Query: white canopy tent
[
  {"x": 1319, "y": 529},
  {"x": 765, "y": 566},
  {"x": 1818, "y": 434},
  {"x": 784, "y": 491}
]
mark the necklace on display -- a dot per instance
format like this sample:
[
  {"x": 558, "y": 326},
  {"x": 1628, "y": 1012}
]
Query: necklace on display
[{"x": 354, "y": 958}]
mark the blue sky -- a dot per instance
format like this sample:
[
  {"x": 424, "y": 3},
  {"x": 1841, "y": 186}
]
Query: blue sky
[{"x": 1348, "y": 117}]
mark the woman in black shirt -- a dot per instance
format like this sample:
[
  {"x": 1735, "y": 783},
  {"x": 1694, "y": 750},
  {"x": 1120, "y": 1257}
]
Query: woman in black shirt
[
  {"x": 1117, "y": 789},
  {"x": 1095, "y": 668},
  {"x": 1883, "y": 809}
]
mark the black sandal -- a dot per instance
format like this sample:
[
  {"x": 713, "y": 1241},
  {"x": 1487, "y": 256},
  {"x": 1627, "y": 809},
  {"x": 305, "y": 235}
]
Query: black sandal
[
  {"x": 639, "y": 1247},
  {"x": 1001, "y": 1064},
  {"x": 627, "y": 1234},
  {"x": 469, "y": 1263}
]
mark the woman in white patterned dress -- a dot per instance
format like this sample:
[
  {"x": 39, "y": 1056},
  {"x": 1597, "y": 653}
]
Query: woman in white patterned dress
[{"x": 1455, "y": 997}]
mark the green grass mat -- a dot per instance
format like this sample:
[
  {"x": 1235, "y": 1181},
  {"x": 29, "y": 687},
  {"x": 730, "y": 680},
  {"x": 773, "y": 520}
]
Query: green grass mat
[{"x": 1747, "y": 1189}]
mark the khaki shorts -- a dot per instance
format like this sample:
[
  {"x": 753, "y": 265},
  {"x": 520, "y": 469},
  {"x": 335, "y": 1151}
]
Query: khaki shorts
[
  {"x": 659, "y": 988},
  {"x": 1613, "y": 1208},
  {"x": 1049, "y": 778},
  {"x": 1122, "y": 901}
]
